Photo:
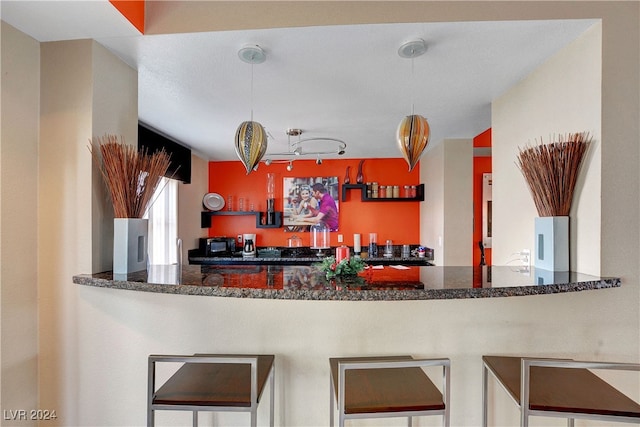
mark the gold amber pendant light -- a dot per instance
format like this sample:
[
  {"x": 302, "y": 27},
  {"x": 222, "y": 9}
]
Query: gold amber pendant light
[
  {"x": 251, "y": 138},
  {"x": 413, "y": 131}
]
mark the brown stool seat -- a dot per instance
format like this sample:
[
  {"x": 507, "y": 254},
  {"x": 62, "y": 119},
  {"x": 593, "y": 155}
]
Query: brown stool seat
[
  {"x": 389, "y": 386},
  {"x": 207, "y": 382},
  {"x": 560, "y": 388}
]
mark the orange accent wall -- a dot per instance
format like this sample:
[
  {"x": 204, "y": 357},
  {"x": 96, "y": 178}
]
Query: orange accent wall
[
  {"x": 483, "y": 140},
  {"x": 133, "y": 10},
  {"x": 480, "y": 165},
  {"x": 398, "y": 221}
]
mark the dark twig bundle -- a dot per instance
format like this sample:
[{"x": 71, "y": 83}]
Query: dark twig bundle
[
  {"x": 551, "y": 171},
  {"x": 131, "y": 176}
]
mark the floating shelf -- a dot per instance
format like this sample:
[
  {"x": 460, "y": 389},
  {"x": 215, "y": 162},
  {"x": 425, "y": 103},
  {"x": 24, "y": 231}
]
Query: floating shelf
[
  {"x": 205, "y": 218},
  {"x": 363, "y": 194}
]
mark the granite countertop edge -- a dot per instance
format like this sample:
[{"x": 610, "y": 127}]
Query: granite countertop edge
[{"x": 348, "y": 294}]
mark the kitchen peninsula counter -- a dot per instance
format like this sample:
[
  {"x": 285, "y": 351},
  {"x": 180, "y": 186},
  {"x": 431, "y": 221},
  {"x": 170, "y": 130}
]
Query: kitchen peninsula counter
[
  {"x": 383, "y": 283},
  {"x": 302, "y": 256}
]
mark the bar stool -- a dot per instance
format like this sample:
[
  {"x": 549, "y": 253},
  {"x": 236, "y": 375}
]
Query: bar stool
[
  {"x": 208, "y": 382},
  {"x": 559, "y": 388},
  {"x": 384, "y": 387}
]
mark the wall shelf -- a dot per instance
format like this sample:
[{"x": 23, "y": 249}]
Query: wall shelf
[
  {"x": 205, "y": 218},
  {"x": 363, "y": 194}
]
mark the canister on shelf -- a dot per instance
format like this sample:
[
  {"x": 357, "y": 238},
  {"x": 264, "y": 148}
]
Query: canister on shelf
[
  {"x": 389, "y": 192},
  {"x": 374, "y": 190},
  {"x": 396, "y": 191},
  {"x": 413, "y": 191},
  {"x": 406, "y": 192}
]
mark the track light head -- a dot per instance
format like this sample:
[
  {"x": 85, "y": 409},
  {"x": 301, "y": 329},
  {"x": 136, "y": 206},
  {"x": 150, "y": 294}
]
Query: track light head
[
  {"x": 318, "y": 161},
  {"x": 290, "y": 166}
]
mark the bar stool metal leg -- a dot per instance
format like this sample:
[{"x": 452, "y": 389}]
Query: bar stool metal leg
[
  {"x": 272, "y": 387},
  {"x": 331, "y": 409},
  {"x": 485, "y": 392}
]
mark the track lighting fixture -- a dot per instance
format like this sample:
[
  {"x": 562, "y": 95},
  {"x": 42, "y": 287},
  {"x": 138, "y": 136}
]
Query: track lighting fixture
[
  {"x": 316, "y": 146},
  {"x": 290, "y": 166}
]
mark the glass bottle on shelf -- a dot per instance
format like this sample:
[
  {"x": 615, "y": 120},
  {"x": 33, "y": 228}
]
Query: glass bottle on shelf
[
  {"x": 373, "y": 245},
  {"x": 271, "y": 178}
]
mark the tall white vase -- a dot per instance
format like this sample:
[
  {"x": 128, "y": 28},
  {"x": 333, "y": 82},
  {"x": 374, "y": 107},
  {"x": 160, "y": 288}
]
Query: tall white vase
[
  {"x": 552, "y": 243},
  {"x": 130, "y": 240}
]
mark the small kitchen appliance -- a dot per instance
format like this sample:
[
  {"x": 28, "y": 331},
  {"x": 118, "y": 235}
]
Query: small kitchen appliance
[
  {"x": 218, "y": 246},
  {"x": 249, "y": 248}
]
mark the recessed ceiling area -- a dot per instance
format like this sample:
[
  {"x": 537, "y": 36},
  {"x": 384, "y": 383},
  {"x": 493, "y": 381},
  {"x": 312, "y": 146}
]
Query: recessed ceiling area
[{"x": 346, "y": 82}]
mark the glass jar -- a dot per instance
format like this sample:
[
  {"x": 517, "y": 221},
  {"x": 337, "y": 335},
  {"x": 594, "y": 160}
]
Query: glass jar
[
  {"x": 374, "y": 190},
  {"x": 319, "y": 236},
  {"x": 383, "y": 191},
  {"x": 406, "y": 192},
  {"x": 413, "y": 192},
  {"x": 389, "y": 193},
  {"x": 396, "y": 191},
  {"x": 294, "y": 241}
]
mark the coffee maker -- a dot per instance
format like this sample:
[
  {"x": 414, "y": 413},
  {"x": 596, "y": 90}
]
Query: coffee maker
[{"x": 249, "y": 247}]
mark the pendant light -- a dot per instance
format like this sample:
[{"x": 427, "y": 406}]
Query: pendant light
[
  {"x": 251, "y": 138},
  {"x": 413, "y": 131}
]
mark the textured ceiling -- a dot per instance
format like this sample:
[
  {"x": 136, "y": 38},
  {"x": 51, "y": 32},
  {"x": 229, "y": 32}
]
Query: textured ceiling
[{"x": 344, "y": 81}]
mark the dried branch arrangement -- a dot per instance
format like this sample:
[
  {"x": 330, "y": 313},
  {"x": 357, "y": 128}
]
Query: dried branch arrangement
[
  {"x": 551, "y": 171},
  {"x": 131, "y": 176}
]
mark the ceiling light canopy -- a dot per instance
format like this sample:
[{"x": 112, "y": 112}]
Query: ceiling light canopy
[
  {"x": 412, "y": 49},
  {"x": 252, "y": 54}
]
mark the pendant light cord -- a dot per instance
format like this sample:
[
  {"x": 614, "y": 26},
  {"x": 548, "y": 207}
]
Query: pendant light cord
[
  {"x": 251, "y": 100},
  {"x": 413, "y": 81}
]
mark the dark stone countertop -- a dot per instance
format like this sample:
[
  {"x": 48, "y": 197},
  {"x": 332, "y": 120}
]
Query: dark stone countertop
[
  {"x": 303, "y": 256},
  {"x": 384, "y": 283}
]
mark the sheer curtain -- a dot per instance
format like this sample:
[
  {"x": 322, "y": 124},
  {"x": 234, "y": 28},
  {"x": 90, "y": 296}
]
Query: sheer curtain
[{"x": 163, "y": 223}]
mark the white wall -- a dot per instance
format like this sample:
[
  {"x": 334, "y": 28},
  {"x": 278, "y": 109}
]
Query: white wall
[
  {"x": 18, "y": 220},
  {"x": 447, "y": 212},
  {"x": 86, "y": 91},
  {"x": 190, "y": 205},
  {"x": 432, "y": 209},
  {"x": 458, "y": 202},
  {"x": 114, "y": 109},
  {"x": 562, "y": 96}
]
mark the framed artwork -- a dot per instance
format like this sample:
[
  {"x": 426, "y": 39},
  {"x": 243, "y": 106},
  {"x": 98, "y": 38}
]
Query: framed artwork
[{"x": 310, "y": 200}]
